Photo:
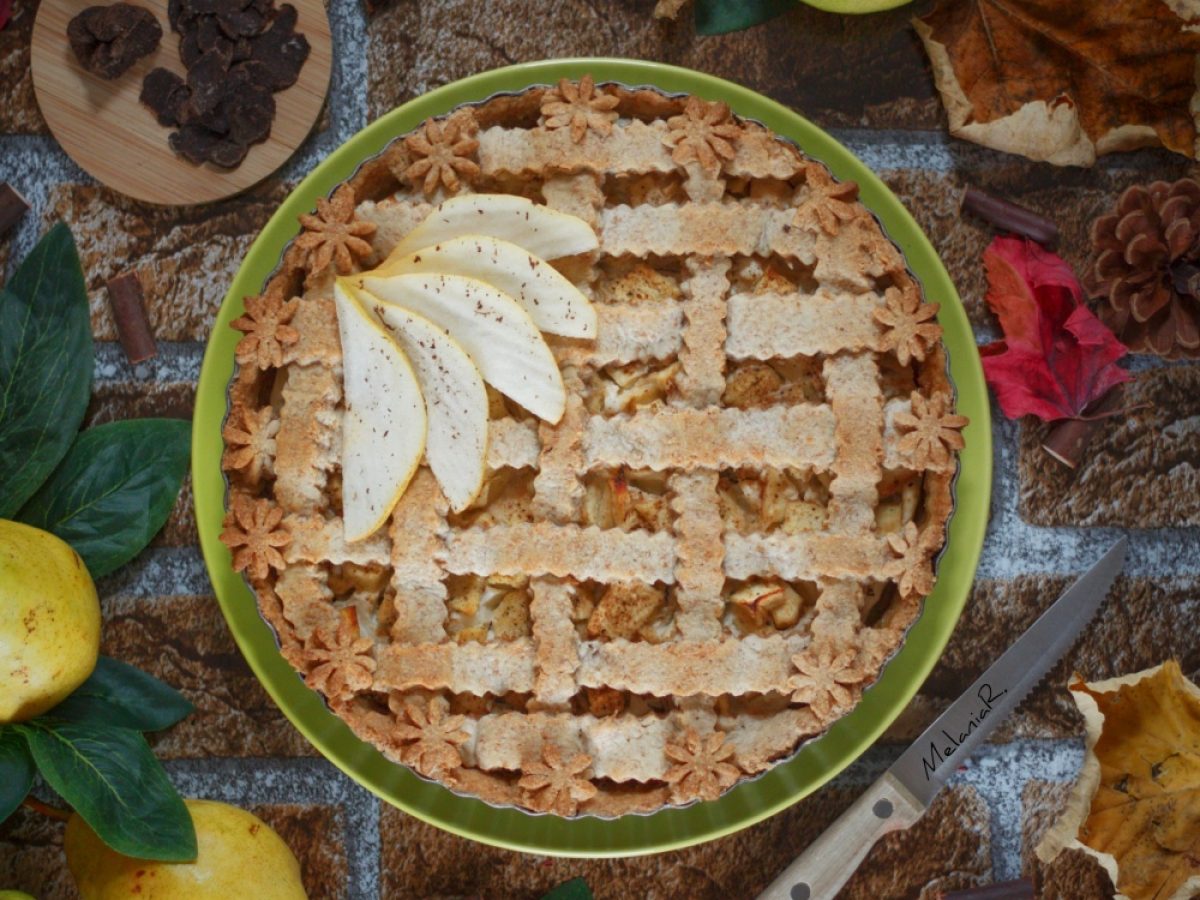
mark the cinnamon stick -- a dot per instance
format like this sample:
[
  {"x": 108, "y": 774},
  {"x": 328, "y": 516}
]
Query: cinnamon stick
[
  {"x": 12, "y": 207},
  {"x": 1008, "y": 216},
  {"x": 1021, "y": 889},
  {"x": 1068, "y": 439},
  {"x": 129, "y": 310}
]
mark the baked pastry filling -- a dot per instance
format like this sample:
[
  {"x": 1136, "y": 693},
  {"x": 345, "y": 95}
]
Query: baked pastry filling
[{"x": 590, "y": 450}]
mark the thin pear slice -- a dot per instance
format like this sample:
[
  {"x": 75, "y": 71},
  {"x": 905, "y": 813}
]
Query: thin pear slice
[
  {"x": 455, "y": 401},
  {"x": 544, "y": 232},
  {"x": 501, "y": 339},
  {"x": 554, "y": 304},
  {"x": 384, "y": 425}
]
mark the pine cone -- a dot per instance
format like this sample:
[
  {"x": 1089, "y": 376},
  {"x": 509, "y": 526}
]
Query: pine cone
[{"x": 1146, "y": 268}]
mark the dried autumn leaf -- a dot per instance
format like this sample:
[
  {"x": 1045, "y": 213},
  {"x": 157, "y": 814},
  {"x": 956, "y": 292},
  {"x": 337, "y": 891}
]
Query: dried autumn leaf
[
  {"x": 1056, "y": 357},
  {"x": 1067, "y": 80},
  {"x": 1136, "y": 806}
]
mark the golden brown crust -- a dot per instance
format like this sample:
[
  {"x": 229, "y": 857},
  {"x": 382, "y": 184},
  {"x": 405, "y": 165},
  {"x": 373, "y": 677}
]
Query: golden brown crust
[{"x": 627, "y": 682}]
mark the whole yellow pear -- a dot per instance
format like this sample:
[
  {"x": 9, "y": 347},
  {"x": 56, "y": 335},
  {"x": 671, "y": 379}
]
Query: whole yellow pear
[
  {"x": 238, "y": 856},
  {"x": 49, "y": 621}
]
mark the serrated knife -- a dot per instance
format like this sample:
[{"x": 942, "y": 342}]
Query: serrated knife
[{"x": 905, "y": 791}]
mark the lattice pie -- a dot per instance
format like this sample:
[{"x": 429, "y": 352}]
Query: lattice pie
[{"x": 694, "y": 564}]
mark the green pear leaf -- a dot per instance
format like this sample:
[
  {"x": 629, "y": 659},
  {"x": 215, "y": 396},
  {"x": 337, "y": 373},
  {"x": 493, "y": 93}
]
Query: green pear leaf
[
  {"x": 16, "y": 771},
  {"x": 115, "y": 783},
  {"x": 724, "y": 16},
  {"x": 45, "y": 365},
  {"x": 117, "y": 694},
  {"x": 575, "y": 889},
  {"x": 114, "y": 490}
]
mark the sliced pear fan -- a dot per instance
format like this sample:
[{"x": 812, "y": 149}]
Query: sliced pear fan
[
  {"x": 542, "y": 231},
  {"x": 554, "y": 304},
  {"x": 501, "y": 339},
  {"x": 384, "y": 426},
  {"x": 455, "y": 401}
]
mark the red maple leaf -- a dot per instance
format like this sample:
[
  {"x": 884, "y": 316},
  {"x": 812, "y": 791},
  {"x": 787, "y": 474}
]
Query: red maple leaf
[
  {"x": 5, "y": 12},
  {"x": 1056, "y": 357}
]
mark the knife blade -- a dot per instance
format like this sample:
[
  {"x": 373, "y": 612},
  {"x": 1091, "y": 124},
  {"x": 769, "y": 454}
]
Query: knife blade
[{"x": 905, "y": 791}]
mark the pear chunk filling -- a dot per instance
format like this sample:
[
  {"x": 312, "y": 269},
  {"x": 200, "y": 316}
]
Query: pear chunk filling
[{"x": 459, "y": 304}]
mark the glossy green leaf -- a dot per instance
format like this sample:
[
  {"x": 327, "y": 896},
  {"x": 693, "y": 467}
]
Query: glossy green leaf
[
  {"x": 575, "y": 889},
  {"x": 113, "y": 780},
  {"x": 16, "y": 770},
  {"x": 114, "y": 490},
  {"x": 45, "y": 365},
  {"x": 723, "y": 16},
  {"x": 117, "y": 694}
]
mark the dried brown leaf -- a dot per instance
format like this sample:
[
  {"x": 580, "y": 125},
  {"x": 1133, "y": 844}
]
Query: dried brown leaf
[{"x": 1067, "y": 80}]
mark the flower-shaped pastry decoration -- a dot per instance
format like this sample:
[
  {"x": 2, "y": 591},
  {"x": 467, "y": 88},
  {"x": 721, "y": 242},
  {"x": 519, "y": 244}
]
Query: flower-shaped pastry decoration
[
  {"x": 580, "y": 107},
  {"x": 825, "y": 675},
  {"x": 909, "y": 331},
  {"x": 916, "y": 570},
  {"x": 705, "y": 133},
  {"x": 704, "y": 766},
  {"x": 931, "y": 432},
  {"x": 442, "y": 151},
  {"x": 425, "y": 736},
  {"x": 831, "y": 203},
  {"x": 556, "y": 784},
  {"x": 334, "y": 236},
  {"x": 253, "y": 534},
  {"x": 250, "y": 442},
  {"x": 340, "y": 659},
  {"x": 266, "y": 329}
]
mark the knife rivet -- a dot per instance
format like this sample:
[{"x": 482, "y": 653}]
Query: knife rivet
[
  {"x": 882, "y": 808},
  {"x": 801, "y": 892}
]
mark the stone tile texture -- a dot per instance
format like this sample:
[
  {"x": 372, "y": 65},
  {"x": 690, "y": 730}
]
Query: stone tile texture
[
  {"x": 185, "y": 257},
  {"x": 183, "y": 640},
  {"x": 18, "y": 109},
  {"x": 1142, "y": 470},
  {"x": 413, "y": 47},
  {"x": 1143, "y": 622},
  {"x": 948, "y": 849}
]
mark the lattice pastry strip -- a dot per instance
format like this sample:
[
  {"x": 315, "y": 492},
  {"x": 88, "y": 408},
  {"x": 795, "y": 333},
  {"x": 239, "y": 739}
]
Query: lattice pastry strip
[
  {"x": 702, "y": 357},
  {"x": 316, "y": 539},
  {"x": 806, "y": 556},
  {"x": 690, "y": 667},
  {"x": 555, "y": 640},
  {"x": 579, "y": 194},
  {"x": 316, "y": 323},
  {"x": 768, "y": 326},
  {"x": 309, "y": 437},
  {"x": 652, "y": 330},
  {"x": 558, "y": 492},
  {"x": 681, "y": 438},
  {"x": 512, "y": 444},
  {"x": 699, "y": 573},
  {"x": 852, "y": 389},
  {"x": 468, "y": 668},
  {"x": 393, "y": 219},
  {"x": 306, "y": 600},
  {"x": 723, "y": 229},
  {"x": 417, "y": 535},
  {"x": 635, "y": 147},
  {"x": 544, "y": 549}
]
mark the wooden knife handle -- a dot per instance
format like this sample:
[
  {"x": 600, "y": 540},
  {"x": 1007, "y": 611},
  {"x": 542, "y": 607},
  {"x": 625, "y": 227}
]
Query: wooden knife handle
[{"x": 830, "y": 860}]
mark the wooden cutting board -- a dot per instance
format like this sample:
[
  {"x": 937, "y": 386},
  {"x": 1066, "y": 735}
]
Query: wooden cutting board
[{"x": 112, "y": 137}]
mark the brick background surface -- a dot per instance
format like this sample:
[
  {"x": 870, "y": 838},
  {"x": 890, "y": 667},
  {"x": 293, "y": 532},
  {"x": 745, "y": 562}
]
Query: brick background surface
[{"x": 865, "y": 78}]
